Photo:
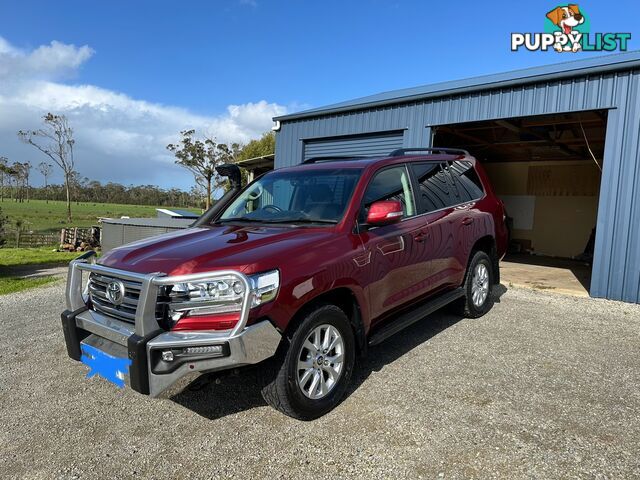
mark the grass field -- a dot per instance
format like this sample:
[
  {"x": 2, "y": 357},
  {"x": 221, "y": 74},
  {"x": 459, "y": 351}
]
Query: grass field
[
  {"x": 13, "y": 281},
  {"x": 15, "y": 257},
  {"x": 17, "y": 284},
  {"x": 52, "y": 216}
]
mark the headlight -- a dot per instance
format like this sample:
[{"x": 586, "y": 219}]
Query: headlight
[
  {"x": 218, "y": 296},
  {"x": 265, "y": 287},
  {"x": 222, "y": 295}
]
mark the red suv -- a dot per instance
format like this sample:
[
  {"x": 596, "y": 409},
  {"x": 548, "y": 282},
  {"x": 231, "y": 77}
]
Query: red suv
[{"x": 309, "y": 265}]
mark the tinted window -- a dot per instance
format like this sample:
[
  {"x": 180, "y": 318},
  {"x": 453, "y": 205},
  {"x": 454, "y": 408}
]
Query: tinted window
[
  {"x": 300, "y": 195},
  {"x": 436, "y": 189},
  {"x": 391, "y": 184},
  {"x": 467, "y": 184}
]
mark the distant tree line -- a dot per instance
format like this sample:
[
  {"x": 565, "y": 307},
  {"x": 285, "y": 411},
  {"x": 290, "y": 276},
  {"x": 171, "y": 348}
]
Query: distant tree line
[
  {"x": 93, "y": 191},
  {"x": 200, "y": 155}
]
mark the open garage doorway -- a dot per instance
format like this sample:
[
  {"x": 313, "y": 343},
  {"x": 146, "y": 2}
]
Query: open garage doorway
[{"x": 547, "y": 170}]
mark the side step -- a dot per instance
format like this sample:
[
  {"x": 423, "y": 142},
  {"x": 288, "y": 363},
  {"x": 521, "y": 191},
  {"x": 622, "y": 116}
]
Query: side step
[{"x": 417, "y": 313}]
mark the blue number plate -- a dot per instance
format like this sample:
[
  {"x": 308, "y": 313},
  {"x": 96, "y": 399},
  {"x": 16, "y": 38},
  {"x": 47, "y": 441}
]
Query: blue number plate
[{"x": 106, "y": 366}]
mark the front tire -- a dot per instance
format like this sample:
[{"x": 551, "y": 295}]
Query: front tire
[
  {"x": 316, "y": 369},
  {"x": 478, "y": 287}
]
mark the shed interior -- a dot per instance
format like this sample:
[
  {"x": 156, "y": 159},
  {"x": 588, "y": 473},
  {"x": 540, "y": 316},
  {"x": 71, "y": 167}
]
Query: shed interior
[{"x": 547, "y": 170}]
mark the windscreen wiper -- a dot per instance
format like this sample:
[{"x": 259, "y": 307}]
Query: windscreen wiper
[
  {"x": 300, "y": 220},
  {"x": 239, "y": 219}
]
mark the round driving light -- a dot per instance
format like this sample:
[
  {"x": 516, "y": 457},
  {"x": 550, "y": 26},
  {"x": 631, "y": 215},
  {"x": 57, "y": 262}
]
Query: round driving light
[
  {"x": 167, "y": 356},
  {"x": 237, "y": 288}
]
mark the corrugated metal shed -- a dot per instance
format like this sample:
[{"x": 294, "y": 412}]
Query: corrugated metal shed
[
  {"x": 119, "y": 231},
  {"x": 609, "y": 83}
]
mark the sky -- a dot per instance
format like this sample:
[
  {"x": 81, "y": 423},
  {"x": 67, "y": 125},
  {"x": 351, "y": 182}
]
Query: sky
[{"x": 131, "y": 75}]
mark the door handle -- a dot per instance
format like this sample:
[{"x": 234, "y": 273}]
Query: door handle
[
  {"x": 467, "y": 221},
  {"x": 421, "y": 236}
]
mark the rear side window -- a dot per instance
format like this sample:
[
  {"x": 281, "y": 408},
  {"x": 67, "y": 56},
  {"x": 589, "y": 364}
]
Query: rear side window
[
  {"x": 466, "y": 181},
  {"x": 435, "y": 185},
  {"x": 391, "y": 184}
]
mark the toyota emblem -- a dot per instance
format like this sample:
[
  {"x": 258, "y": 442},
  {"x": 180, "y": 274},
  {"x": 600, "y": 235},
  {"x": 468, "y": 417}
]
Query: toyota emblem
[{"x": 115, "y": 292}]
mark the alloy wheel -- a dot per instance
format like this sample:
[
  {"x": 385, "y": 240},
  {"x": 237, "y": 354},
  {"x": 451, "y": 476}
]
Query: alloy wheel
[{"x": 320, "y": 362}]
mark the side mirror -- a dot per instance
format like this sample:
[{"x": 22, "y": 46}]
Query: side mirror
[{"x": 384, "y": 212}]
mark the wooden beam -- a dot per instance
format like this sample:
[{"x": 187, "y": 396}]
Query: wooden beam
[
  {"x": 533, "y": 133},
  {"x": 466, "y": 136}
]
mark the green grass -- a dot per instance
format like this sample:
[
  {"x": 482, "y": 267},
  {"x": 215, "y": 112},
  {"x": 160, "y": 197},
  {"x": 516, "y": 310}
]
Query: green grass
[
  {"x": 13, "y": 257},
  {"x": 17, "y": 284},
  {"x": 52, "y": 216}
]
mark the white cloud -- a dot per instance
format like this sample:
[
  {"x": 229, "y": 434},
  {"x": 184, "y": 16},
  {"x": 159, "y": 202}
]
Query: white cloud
[{"x": 118, "y": 138}]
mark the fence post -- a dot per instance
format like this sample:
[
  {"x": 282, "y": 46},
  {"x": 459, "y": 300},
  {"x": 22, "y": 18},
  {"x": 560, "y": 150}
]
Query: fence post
[
  {"x": 62, "y": 234},
  {"x": 75, "y": 236}
]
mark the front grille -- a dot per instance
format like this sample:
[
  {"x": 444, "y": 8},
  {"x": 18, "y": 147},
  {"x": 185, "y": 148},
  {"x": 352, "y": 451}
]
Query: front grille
[{"x": 126, "y": 310}]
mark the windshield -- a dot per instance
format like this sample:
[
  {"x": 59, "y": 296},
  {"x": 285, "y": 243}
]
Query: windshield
[{"x": 296, "y": 196}]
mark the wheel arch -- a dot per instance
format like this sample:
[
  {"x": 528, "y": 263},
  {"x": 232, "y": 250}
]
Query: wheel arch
[
  {"x": 343, "y": 298},
  {"x": 487, "y": 244}
]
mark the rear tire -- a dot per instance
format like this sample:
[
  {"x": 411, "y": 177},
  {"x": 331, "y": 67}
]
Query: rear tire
[
  {"x": 478, "y": 287},
  {"x": 315, "y": 371}
]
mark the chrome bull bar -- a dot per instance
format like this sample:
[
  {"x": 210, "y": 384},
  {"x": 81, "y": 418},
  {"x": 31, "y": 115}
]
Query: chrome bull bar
[
  {"x": 244, "y": 344},
  {"x": 145, "y": 318}
]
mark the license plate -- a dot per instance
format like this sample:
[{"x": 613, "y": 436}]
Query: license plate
[{"x": 104, "y": 365}]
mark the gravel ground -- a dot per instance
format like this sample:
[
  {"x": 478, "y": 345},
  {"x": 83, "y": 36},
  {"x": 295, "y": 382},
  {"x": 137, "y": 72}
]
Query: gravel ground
[{"x": 544, "y": 386}]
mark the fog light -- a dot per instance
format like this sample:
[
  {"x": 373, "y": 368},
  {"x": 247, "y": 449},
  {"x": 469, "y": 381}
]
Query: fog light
[
  {"x": 210, "y": 349},
  {"x": 167, "y": 356}
]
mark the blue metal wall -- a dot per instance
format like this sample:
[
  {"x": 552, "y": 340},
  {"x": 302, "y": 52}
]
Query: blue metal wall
[{"x": 616, "y": 270}]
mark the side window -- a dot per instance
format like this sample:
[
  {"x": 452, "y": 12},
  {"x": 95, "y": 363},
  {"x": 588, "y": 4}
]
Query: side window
[
  {"x": 391, "y": 184},
  {"x": 466, "y": 180},
  {"x": 436, "y": 188}
]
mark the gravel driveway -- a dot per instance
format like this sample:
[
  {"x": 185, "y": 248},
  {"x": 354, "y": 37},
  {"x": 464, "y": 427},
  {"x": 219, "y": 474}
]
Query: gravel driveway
[{"x": 544, "y": 386}]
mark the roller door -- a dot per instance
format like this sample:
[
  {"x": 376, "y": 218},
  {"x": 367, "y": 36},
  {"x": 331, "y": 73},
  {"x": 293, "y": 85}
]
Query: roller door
[{"x": 360, "y": 145}]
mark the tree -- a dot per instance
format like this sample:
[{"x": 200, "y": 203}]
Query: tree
[
  {"x": 4, "y": 173},
  {"x": 45, "y": 169},
  {"x": 19, "y": 225},
  {"x": 14, "y": 173},
  {"x": 265, "y": 145},
  {"x": 56, "y": 141},
  {"x": 25, "y": 172},
  {"x": 201, "y": 157},
  {"x": 77, "y": 184},
  {"x": 3, "y": 232}
]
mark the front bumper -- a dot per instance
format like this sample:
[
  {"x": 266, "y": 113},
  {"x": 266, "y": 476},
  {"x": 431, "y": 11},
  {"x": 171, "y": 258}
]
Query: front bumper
[{"x": 143, "y": 342}]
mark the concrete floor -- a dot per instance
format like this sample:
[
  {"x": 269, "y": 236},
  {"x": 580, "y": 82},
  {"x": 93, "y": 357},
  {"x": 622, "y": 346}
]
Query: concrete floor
[{"x": 544, "y": 273}]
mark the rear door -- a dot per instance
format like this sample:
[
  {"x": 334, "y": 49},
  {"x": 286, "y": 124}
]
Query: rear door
[
  {"x": 468, "y": 223},
  {"x": 394, "y": 255},
  {"x": 436, "y": 200}
]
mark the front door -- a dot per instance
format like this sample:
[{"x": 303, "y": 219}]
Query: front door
[{"x": 395, "y": 255}]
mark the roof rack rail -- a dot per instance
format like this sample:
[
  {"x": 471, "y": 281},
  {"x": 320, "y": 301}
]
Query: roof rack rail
[
  {"x": 403, "y": 151},
  {"x": 332, "y": 158}
]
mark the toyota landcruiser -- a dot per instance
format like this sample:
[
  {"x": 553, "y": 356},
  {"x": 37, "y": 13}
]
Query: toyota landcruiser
[{"x": 306, "y": 266}]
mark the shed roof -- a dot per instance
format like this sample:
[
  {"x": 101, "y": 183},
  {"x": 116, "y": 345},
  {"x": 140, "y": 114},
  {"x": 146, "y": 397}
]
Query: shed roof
[
  {"x": 176, "y": 213},
  {"x": 265, "y": 161},
  {"x": 151, "y": 222},
  {"x": 589, "y": 66}
]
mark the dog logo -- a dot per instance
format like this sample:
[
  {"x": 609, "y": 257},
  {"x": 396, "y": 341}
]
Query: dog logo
[
  {"x": 115, "y": 292},
  {"x": 567, "y": 28},
  {"x": 567, "y": 19}
]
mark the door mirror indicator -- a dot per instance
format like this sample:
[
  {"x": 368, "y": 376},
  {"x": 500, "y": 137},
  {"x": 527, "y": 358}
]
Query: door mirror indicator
[{"x": 384, "y": 212}]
